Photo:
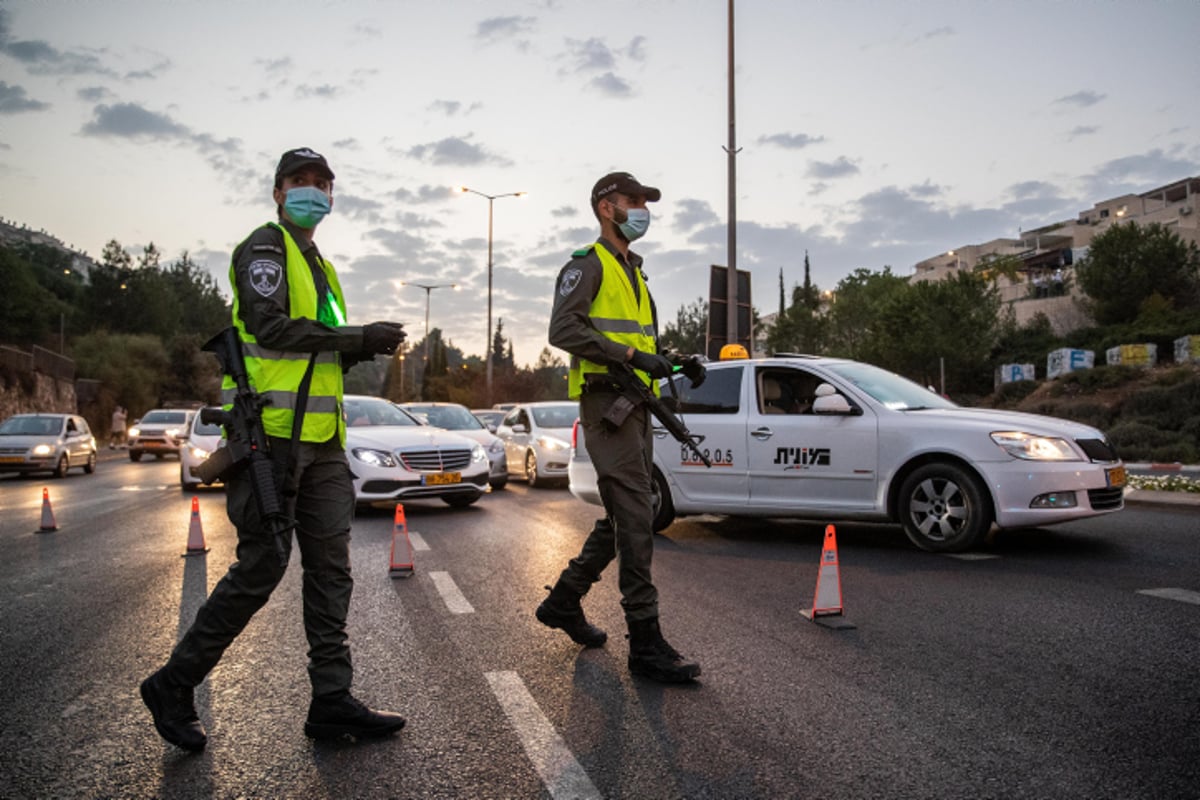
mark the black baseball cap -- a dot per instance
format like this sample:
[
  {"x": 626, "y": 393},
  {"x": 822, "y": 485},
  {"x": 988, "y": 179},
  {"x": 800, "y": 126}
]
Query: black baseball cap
[
  {"x": 625, "y": 184},
  {"x": 295, "y": 160}
]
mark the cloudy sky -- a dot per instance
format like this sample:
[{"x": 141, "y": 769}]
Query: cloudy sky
[{"x": 873, "y": 133}]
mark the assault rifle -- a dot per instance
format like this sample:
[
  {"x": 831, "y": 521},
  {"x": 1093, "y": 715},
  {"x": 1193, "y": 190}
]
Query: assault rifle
[
  {"x": 635, "y": 390},
  {"x": 246, "y": 442}
]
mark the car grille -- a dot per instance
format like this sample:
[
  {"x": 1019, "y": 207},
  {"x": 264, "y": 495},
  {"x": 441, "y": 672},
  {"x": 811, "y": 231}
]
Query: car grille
[
  {"x": 434, "y": 459},
  {"x": 1098, "y": 449},
  {"x": 1106, "y": 499},
  {"x": 13, "y": 451}
]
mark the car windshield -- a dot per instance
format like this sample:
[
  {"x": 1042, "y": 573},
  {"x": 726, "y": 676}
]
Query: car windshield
[
  {"x": 888, "y": 388},
  {"x": 555, "y": 416},
  {"x": 375, "y": 412},
  {"x": 165, "y": 418},
  {"x": 31, "y": 426},
  {"x": 452, "y": 418}
]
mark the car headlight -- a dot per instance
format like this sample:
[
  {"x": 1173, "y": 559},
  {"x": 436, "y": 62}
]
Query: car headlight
[
  {"x": 135, "y": 432},
  {"x": 551, "y": 443},
  {"x": 43, "y": 450},
  {"x": 1033, "y": 447},
  {"x": 378, "y": 458},
  {"x": 478, "y": 454},
  {"x": 173, "y": 433},
  {"x": 200, "y": 453},
  {"x": 496, "y": 446}
]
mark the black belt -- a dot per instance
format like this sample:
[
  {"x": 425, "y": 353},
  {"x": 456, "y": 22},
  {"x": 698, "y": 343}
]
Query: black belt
[{"x": 598, "y": 382}]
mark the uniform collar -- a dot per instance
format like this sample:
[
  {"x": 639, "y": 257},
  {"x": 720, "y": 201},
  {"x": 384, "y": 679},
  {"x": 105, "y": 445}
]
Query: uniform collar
[
  {"x": 297, "y": 234},
  {"x": 634, "y": 259}
]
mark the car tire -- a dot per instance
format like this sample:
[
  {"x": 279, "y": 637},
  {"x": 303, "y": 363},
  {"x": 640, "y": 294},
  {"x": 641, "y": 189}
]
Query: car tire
[
  {"x": 460, "y": 500},
  {"x": 135, "y": 455},
  {"x": 531, "y": 469},
  {"x": 944, "y": 508},
  {"x": 664, "y": 509},
  {"x": 90, "y": 466},
  {"x": 64, "y": 464}
]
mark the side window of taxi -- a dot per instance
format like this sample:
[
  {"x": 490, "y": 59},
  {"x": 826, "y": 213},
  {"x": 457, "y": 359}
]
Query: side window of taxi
[
  {"x": 785, "y": 390},
  {"x": 720, "y": 393}
]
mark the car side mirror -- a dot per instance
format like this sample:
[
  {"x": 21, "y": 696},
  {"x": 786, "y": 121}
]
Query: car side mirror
[
  {"x": 520, "y": 428},
  {"x": 829, "y": 401}
]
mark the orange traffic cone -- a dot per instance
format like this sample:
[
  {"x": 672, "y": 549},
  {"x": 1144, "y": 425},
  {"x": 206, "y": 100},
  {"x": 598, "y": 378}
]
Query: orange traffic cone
[
  {"x": 827, "y": 599},
  {"x": 401, "y": 565},
  {"x": 48, "y": 525},
  {"x": 195, "y": 545}
]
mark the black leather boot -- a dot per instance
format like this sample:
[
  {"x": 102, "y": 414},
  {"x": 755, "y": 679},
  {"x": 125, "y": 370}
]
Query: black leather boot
[
  {"x": 174, "y": 711},
  {"x": 333, "y": 718},
  {"x": 562, "y": 609},
  {"x": 650, "y": 656}
]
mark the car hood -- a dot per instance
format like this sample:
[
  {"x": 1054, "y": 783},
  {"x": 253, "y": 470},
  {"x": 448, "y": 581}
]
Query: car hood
[
  {"x": 28, "y": 440},
  {"x": 391, "y": 437},
  {"x": 480, "y": 435},
  {"x": 209, "y": 442},
  {"x": 995, "y": 419}
]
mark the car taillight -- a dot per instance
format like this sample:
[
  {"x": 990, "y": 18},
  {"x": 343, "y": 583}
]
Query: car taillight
[{"x": 574, "y": 433}]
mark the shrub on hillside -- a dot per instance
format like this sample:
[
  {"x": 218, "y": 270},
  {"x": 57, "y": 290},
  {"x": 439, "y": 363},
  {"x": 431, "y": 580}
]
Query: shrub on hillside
[
  {"x": 1086, "y": 412},
  {"x": 1141, "y": 440},
  {"x": 1010, "y": 394},
  {"x": 1167, "y": 405}
]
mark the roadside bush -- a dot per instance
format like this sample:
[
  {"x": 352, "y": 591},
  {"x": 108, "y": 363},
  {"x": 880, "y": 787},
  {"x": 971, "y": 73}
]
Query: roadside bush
[
  {"x": 1183, "y": 452},
  {"x": 1139, "y": 440},
  {"x": 1101, "y": 377},
  {"x": 1169, "y": 406},
  {"x": 1010, "y": 394},
  {"x": 1097, "y": 415}
]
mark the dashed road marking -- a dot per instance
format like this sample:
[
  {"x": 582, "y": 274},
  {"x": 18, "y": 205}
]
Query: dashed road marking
[
  {"x": 1182, "y": 595},
  {"x": 557, "y": 767},
  {"x": 451, "y": 596},
  {"x": 417, "y": 542}
]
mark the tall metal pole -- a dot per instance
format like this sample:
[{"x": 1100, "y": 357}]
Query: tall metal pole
[
  {"x": 731, "y": 317},
  {"x": 488, "y": 350}
]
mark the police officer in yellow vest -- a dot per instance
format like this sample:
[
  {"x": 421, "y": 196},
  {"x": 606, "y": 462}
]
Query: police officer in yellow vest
[
  {"x": 603, "y": 314},
  {"x": 289, "y": 310}
]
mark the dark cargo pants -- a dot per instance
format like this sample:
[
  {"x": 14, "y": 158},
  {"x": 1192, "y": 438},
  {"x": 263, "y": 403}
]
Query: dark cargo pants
[
  {"x": 323, "y": 508},
  {"x": 622, "y": 457}
]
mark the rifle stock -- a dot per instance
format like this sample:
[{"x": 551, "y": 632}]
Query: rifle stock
[
  {"x": 246, "y": 442},
  {"x": 631, "y": 384}
]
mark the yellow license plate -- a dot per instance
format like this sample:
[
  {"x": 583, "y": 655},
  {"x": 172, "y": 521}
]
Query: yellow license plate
[
  {"x": 11, "y": 459},
  {"x": 1116, "y": 476},
  {"x": 442, "y": 478}
]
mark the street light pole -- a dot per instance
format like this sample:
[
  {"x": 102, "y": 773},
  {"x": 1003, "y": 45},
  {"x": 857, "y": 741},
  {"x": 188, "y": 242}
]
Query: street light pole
[
  {"x": 428, "y": 290},
  {"x": 491, "y": 198}
]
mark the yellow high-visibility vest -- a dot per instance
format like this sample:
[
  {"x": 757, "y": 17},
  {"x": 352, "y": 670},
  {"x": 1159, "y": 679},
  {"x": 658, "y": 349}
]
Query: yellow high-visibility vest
[
  {"x": 276, "y": 374},
  {"x": 620, "y": 315}
]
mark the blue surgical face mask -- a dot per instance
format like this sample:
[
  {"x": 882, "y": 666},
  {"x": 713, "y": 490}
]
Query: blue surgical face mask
[
  {"x": 637, "y": 222},
  {"x": 306, "y": 205}
]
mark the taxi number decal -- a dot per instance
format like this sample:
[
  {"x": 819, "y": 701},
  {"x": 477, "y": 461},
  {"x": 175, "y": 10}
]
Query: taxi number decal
[{"x": 718, "y": 457}]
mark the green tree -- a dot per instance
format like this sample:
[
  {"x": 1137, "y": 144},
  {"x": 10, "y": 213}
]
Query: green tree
[
  {"x": 136, "y": 368},
  {"x": 1128, "y": 263},
  {"x": 853, "y": 318},
  {"x": 28, "y": 310},
  {"x": 689, "y": 332}
]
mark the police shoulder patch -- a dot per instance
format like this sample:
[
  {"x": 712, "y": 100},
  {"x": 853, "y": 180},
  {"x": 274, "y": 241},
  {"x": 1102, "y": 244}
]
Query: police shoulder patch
[
  {"x": 570, "y": 280},
  {"x": 583, "y": 251},
  {"x": 265, "y": 277},
  {"x": 266, "y": 248}
]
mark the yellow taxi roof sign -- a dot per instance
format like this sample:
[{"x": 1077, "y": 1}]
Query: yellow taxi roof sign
[{"x": 732, "y": 351}]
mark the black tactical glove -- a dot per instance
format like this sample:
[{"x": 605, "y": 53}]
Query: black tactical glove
[
  {"x": 382, "y": 337},
  {"x": 652, "y": 364},
  {"x": 694, "y": 369}
]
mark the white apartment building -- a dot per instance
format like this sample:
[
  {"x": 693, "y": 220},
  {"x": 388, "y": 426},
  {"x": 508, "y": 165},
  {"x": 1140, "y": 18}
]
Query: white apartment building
[{"x": 1044, "y": 278}]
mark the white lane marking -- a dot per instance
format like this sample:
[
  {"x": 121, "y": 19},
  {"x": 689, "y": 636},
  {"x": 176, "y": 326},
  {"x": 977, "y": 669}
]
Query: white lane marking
[
  {"x": 972, "y": 556},
  {"x": 451, "y": 596},
  {"x": 417, "y": 542},
  {"x": 1182, "y": 595},
  {"x": 558, "y": 769}
]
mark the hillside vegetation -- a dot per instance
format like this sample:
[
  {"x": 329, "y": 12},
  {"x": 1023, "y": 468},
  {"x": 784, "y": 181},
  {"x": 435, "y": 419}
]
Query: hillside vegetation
[{"x": 1149, "y": 414}]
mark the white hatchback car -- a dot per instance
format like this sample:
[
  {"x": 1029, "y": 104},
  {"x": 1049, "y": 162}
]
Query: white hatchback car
[
  {"x": 825, "y": 438},
  {"x": 202, "y": 441},
  {"x": 394, "y": 458},
  {"x": 537, "y": 439}
]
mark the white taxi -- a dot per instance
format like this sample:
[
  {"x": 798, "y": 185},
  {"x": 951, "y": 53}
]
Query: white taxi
[{"x": 834, "y": 439}]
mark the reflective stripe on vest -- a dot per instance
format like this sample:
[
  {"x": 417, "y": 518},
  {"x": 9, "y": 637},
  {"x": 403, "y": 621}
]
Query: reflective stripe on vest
[
  {"x": 276, "y": 374},
  {"x": 619, "y": 315}
]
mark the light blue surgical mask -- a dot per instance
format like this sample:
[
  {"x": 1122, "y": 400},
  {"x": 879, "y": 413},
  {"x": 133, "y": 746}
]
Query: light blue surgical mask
[
  {"x": 637, "y": 222},
  {"x": 306, "y": 205}
]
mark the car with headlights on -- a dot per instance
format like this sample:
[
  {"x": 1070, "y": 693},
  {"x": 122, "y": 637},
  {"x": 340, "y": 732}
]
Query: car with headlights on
[
  {"x": 490, "y": 417},
  {"x": 395, "y": 458},
  {"x": 460, "y": 420},
  {"x": 159, "y": 432},
  {"x": 537, "y": 440},
  {"x": 834, "y": 439},
  {"x": 51, "y": 443},
  {"x": 203, "y": 439}
]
